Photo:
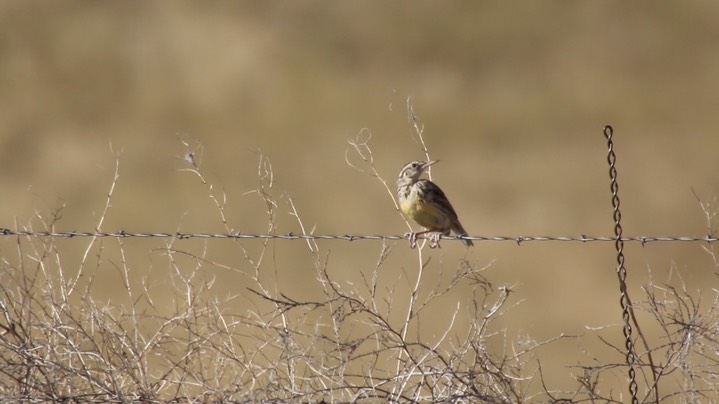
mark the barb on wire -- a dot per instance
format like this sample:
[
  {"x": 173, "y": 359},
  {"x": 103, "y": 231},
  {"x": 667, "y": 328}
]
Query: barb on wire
[{"x": 348, "y": 237}]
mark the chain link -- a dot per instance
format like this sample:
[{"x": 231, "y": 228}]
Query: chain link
[{"x": 624, "y": 299}]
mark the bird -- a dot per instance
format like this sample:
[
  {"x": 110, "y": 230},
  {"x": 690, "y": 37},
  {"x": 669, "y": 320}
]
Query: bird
[{"x": 424, "y": 202}]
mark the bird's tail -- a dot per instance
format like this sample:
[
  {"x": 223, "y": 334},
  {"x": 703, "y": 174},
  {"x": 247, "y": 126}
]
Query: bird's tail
[{"x": 460, "y": 232}]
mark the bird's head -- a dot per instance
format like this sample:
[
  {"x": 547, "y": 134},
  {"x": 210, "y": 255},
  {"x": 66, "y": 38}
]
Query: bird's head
[{"x": 414, "y": 169}]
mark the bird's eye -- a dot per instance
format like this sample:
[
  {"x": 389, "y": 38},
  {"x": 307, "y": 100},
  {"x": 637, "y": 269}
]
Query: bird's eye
[{"x": 415, "y": 165}]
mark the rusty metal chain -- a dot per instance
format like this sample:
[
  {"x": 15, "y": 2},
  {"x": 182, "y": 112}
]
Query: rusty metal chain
[{"x": 624, "y": 299}]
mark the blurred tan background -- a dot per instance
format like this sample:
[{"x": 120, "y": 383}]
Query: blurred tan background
[{"x": 513, "y": 97}]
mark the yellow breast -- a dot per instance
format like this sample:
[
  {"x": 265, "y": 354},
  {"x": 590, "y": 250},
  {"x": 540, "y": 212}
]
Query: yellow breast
[{"x": 425, "y": 214}]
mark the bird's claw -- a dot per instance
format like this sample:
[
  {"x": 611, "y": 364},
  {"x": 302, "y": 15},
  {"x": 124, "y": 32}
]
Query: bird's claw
[
  {"x": 434, "y": 240},
  {"x": 412, "y": 237}
]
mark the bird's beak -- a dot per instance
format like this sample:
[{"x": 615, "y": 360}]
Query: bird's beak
[{"x": 429, "y": 163}]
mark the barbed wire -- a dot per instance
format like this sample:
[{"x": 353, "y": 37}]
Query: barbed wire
[{"x": 347, "y": 237}]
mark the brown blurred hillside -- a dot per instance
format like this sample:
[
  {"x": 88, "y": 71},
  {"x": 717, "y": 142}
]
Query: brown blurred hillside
[{"x": 513, "y": 98}]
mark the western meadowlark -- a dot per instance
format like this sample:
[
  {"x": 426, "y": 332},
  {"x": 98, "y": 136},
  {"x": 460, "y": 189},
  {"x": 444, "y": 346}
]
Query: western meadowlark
[{"x": 425, "y": 203}]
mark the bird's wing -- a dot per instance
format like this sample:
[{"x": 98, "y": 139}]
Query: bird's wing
[{"x": 438, "y": 199}]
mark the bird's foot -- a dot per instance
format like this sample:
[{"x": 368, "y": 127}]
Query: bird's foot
[
  {"x": 412, "y": 237},
  {"x": 434, "y": 240}
]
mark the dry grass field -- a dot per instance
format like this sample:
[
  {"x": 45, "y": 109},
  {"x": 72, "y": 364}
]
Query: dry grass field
[{"x": 241, "y": 117}]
